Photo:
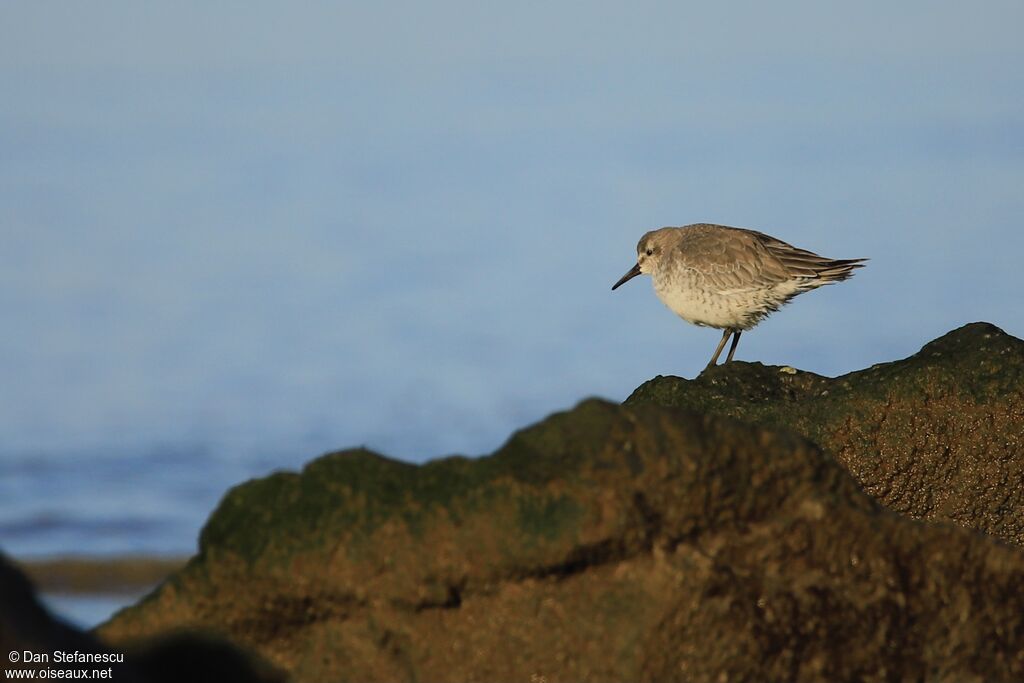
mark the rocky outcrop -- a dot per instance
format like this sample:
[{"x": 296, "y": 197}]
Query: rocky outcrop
[
  {"x": 939, "y": 435},
  {"x": 637, "y": 542}
]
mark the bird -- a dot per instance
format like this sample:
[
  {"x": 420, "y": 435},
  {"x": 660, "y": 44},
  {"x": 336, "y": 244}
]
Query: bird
[{"x": 729, "y": 278}]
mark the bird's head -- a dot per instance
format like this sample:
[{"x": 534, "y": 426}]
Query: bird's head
[{"x": 649, "y": 251}]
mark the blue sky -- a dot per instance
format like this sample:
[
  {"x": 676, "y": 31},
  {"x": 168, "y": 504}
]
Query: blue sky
[{"x": 262, "y": 226}]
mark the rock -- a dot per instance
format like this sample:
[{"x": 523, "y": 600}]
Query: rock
[
  {"x": 27, "y": 627},
  {"x": 939, "y": 435},
  {"x": 609, "y": 542}
]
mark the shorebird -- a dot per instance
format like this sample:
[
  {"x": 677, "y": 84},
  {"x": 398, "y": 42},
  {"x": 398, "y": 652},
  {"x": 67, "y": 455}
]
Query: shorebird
[{"x": 729, "y": 278}]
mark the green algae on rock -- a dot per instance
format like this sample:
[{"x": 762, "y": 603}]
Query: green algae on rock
[{"x": 939, "y": 435}]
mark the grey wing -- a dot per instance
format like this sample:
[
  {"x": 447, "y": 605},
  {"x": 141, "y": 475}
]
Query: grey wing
[
  {"x": 730, "y": 260},
  {"x": 803, "y": 264}
]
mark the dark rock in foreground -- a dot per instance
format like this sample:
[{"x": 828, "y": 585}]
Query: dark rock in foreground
[
  {"x": 605, "y": 543},
  {"x": 26, "y": 627},
  {"x": 939, "y": 435}
]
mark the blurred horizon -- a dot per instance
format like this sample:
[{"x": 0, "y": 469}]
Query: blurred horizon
[{"x": 239, "y": 236}]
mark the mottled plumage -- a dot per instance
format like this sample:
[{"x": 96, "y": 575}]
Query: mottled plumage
[{"x": 729, "y": 278}]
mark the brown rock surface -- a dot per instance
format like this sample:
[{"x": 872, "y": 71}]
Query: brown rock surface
[
  {"x": 939, "y": 435},
  {"x": 605, "y": 543}
]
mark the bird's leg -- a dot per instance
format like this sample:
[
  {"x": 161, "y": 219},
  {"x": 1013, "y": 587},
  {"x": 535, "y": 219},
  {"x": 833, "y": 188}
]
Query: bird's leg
[
  {"x": 732, "y": 347},
  {"x": 718, "y": 351}
]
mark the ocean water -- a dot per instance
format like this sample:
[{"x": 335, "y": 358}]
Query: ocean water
[
  {"x": 105, "y": 503},
  {"x": 86, "y": 611},
  {"x": 224, "y": 261}
]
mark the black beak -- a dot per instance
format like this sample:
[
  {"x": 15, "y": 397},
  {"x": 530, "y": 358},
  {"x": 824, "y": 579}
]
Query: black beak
[{"x": 633, "y": 272}]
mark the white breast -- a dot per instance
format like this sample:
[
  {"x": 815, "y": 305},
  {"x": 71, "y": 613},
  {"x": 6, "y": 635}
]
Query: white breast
[{"x": 734, "y": 308}]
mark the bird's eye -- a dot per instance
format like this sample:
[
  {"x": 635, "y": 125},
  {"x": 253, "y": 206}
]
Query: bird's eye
[{"x": 650, "y": 251}]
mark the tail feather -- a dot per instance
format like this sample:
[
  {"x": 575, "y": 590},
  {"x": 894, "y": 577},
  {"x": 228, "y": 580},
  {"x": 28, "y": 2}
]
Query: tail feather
[
  {"x": 839, "y": 269},
  {"x": 818, "y": 270}
]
